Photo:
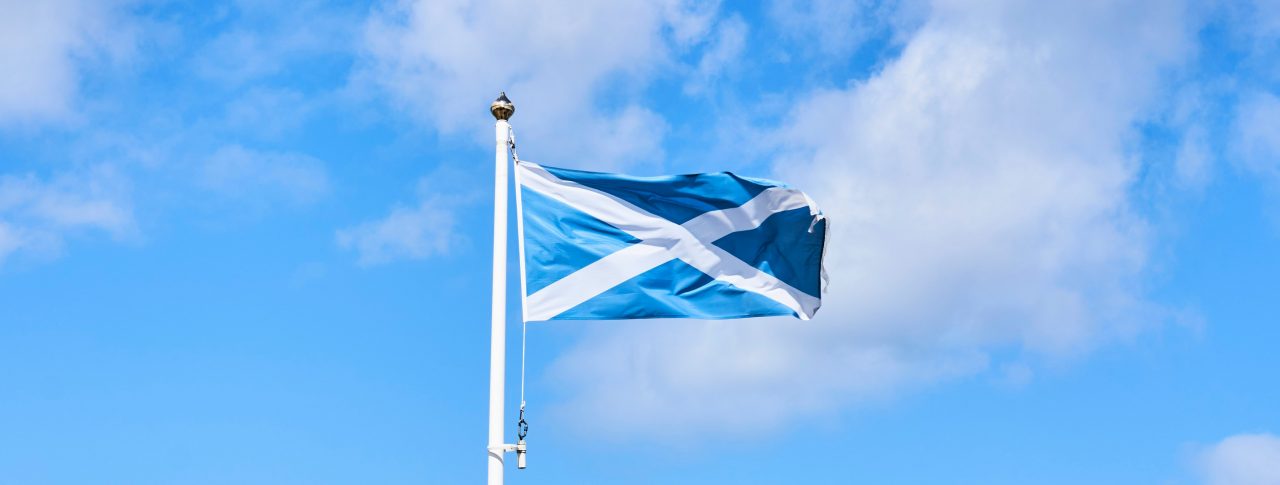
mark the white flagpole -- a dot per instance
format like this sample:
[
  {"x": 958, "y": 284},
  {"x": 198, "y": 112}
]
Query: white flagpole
[{"x": 502, "y": 109}]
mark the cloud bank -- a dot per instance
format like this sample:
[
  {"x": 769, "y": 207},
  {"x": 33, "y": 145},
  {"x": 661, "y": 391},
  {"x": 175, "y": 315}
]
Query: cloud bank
[{"x": 979, "y": 193}]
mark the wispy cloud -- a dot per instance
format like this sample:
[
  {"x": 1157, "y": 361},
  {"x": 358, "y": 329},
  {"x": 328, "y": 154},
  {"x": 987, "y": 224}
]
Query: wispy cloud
[
  {"x": 239, "y": 173},
  {"x": 721, "y": 55},
  {"x": 1256, "y": 144},
  {"x": 268, "y": 113},
  {"x": 1243, "y": 459},
  {"x": 37, "y": 215},
  {"x": 832, "y": 29},
  {"x": 265, "y": 39},
  {"x": 408, "y": 232},
  {"x": 411, "y": 232},
  {"x": 1226, "y": 120}
]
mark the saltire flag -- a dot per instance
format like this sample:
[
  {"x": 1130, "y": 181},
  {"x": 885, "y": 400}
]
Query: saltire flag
[{"x": 600, "y": 246}]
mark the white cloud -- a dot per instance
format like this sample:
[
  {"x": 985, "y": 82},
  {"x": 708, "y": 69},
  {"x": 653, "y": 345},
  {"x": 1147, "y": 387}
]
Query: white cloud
[
  {"x": 563, "y": 63},
  {"x": 268, "y": 113},
  {"x": 268, "y": 38},
  {"x": 1193, "y": 164},
  {"x": 1243, "y": 459},
  {"x": 410, "y": 232},
  {"x": 41, "y": 46},
  {"x": 1253, "y": 145},
  {"x": 10, "y": 240},
  {"x": 1257, "y": 135},
  {"x": 831, "y": 28},
  {"x": 417, "y": 232},
  {"x": 724, "y": 51},
  {"x": 240, "y": 173},
  {"x": 978, "y": 188},
  {"x": 37, "y": 215},
  {"x": 1194, "y": 161},
  {"x": 689, "y": 22}
]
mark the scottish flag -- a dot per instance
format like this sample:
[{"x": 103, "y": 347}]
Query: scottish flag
[{"x": 599, "y": 246}]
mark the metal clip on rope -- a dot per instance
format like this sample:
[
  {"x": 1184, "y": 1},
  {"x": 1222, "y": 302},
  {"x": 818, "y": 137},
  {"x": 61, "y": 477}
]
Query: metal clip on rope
[
  {"x": 522, "y": 428},
  {"x": 511, "y": 142}
]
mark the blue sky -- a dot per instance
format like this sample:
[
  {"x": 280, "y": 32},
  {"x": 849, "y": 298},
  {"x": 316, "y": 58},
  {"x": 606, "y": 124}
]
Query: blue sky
[{"x": 248, "y": 242}]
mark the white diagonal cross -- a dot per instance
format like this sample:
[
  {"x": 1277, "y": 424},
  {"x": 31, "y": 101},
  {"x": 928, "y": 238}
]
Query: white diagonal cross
[{"x": 660, "y": 241}]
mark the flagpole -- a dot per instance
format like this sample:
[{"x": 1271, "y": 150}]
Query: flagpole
[{"x": 502, "y": 109}]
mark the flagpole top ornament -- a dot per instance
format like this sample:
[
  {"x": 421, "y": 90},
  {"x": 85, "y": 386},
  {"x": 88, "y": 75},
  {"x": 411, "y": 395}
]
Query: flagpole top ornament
[{"x": 502, "y": 108}]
